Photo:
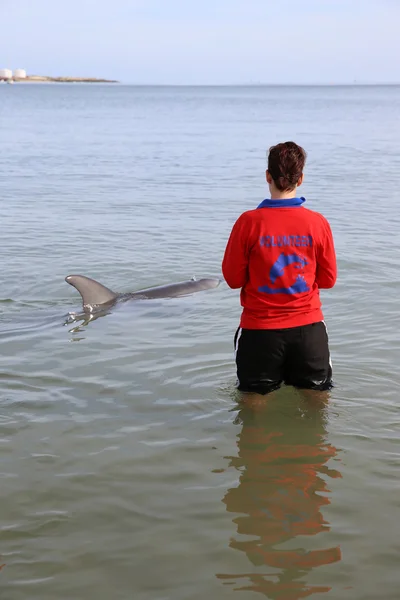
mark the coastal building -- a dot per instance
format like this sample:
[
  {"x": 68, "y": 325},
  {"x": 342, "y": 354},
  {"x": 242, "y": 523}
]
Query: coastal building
[
  {"x": 5, "y": 74},
  {"x": 19, "y": 74}
]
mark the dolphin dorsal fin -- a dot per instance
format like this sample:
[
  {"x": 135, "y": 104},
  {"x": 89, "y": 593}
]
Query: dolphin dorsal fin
[{"x": 93, "y": 293}]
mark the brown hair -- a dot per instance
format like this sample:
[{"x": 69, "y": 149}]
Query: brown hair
[{"x": 285, "y": 165}]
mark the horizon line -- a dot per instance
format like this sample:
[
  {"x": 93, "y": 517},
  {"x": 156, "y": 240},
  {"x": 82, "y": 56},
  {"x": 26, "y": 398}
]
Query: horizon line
[{"x": 309, "y": 84}]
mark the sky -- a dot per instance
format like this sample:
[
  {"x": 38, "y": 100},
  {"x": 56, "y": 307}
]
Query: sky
[{"x": 212, "y": 42}]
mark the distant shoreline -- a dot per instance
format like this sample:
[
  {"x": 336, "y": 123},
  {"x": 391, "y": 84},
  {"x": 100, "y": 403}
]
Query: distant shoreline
[{"x": 45, "y": 79}]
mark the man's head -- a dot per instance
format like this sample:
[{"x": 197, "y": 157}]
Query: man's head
[{"x": 285, "y": 168}]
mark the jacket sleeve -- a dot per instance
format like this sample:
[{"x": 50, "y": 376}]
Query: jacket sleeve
[
  {"x": 326, "y": 260},
  {"x": 236, "y": 257}
]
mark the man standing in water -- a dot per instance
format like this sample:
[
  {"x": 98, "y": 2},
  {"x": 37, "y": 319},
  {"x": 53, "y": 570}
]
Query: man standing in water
[{"x": 280, "y": 255}]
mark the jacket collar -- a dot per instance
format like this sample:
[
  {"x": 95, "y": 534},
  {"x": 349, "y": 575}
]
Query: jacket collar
[{"x": 287, "y": 202}]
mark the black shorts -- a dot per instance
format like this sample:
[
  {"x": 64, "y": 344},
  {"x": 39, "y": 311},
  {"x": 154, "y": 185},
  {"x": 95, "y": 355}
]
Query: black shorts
[{"x": 299, "y": 356}]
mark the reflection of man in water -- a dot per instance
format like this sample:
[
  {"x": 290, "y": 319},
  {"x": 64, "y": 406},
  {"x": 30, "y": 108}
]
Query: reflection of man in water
[{"x": 282, "y": 455}]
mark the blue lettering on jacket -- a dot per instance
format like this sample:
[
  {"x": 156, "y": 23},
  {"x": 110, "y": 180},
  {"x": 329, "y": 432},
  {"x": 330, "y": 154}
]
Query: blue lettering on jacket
[{"x": 286, "y": 241}]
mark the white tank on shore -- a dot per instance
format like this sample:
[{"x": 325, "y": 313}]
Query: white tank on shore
[
  {"x": 19, "y": 74},
  {"x": 5, "y": 74}
]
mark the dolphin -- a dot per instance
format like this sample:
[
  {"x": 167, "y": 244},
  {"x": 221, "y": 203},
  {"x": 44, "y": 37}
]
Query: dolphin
[{"x": 97, "y": 297}]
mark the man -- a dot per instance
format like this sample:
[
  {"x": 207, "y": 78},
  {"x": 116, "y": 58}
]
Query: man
[{"x": 280, "y": 255}]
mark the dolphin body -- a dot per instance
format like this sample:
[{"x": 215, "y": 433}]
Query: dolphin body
[{"x": 97, "y": 297}]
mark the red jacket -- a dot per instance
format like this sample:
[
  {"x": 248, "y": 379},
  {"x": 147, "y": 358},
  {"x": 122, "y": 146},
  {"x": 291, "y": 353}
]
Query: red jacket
[{"x": 280, "y": 255}]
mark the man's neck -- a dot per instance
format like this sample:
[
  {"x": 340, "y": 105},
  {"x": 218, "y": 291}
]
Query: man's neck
[{"x": 277, "y": 195}]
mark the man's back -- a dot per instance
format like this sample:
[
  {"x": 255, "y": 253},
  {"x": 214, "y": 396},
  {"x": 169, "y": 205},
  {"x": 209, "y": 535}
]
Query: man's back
[{"x": 287, "y": 255}]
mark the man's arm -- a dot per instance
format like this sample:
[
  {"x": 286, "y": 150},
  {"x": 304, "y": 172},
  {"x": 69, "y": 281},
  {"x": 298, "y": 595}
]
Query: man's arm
[
  {"x": 235, "y": 262},
  {"x": 326, "y": 261}
]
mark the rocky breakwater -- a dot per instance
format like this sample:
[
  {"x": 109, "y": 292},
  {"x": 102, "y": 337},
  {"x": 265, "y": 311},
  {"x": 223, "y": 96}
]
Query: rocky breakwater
[{"x": 45, "y": 79}]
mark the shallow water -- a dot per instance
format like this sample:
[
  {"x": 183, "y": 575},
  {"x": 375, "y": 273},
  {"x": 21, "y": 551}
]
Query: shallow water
[{"x": 128, "y": 469}]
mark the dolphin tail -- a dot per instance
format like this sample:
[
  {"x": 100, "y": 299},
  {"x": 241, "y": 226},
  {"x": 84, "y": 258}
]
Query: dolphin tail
[{"x": 93, "y": 293}]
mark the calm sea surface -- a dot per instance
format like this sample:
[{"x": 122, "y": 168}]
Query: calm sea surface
[{"x": 128, "y": 469}]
